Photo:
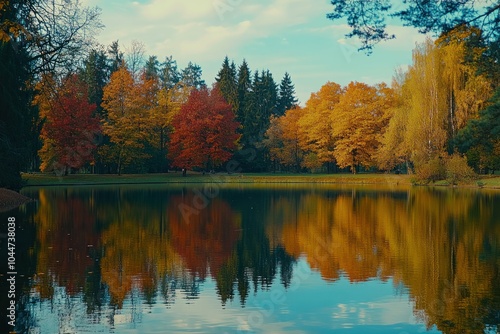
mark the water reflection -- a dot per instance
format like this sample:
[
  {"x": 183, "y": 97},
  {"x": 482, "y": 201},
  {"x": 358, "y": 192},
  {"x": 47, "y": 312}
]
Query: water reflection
[{"x": 112, "y": 249}]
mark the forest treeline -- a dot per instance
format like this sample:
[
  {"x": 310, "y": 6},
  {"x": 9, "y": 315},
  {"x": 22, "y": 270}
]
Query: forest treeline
[
  {"x": 74, "y": 106},
  {"x": 436, "y": 119},
  {"x": 113, "y": 116}
]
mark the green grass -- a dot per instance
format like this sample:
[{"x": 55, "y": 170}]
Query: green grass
[
  {"x": 492, "y": 181},
  {"x": 192, "y": 177}
]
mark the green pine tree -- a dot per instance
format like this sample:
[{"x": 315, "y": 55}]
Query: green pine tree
[
  {"x": 95, "y": 73},
  {"x": 227, "y": 83},
  {"x": 286, "y": 99},
  {"x": 244, "y": 88},
  {"x": 116, "y": 57},
  {"x": 480, "y": 139},
  {"x": 170, "y": 75},
  {"x": 152, "y": 68},
  {"x": 191, "y": 76}
]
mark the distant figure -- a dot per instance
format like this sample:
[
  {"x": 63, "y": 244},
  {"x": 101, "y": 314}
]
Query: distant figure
[{"x": 184, "y": 172}]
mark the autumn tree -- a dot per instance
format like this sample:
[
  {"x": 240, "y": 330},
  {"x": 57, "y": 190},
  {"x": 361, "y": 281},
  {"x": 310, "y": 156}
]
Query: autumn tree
[
  {"x": 283, "y": 138},
  {"x": 126, "y": 104},
  {"x": 204, "y": 131},
  {"x": 70, "y": 128},
  {"x": 317, "y": 126},
  {"x": 36, "y": 37},
  {"x": 360, "y": 118},
  {"x": 393, "y": 151},
  {"x": 467, "y": 91},
  {"x": 95, "y": 72},
  {"x": 441, "y": 93},
  {"x": 166, "y": 101}
]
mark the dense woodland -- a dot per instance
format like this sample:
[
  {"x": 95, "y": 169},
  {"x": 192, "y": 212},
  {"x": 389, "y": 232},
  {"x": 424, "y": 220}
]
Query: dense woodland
[{"x": 70, "y": 105}]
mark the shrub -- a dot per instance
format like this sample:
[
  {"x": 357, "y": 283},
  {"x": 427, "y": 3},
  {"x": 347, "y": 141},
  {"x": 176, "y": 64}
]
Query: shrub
[
  {"x": 457, "y": 169},
  {"x": 430, "y": 171}
]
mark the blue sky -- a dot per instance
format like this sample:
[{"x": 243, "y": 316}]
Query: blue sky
[{"x": 291, "y": 36}]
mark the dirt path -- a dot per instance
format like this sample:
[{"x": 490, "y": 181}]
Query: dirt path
[{"x": 10, "y": 199}]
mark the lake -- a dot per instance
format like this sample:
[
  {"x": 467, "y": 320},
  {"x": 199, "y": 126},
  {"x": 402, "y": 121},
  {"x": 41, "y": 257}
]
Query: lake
[{"x": 256, "y": 259}]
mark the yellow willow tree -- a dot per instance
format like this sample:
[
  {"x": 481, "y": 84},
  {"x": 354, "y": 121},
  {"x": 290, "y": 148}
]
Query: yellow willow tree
[
  {"x": 467, "y": 92},
  {"x": 126, "y": 104},
  {"x": 317, "y": 127},
  {"x": 440, "y": 93},
  {"x": 360, "y": 118},
  {"x": 426, "y": 133}
]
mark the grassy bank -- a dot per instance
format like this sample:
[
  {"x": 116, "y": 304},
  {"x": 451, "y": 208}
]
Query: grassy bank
[
  {"x": 90, "y": 179},
  {"x": 358, "y": 179}
]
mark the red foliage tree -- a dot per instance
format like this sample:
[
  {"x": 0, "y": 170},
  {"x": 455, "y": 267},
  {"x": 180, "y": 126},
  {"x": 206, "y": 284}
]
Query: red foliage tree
[
  {"x": 204, "y": 131},
  {"x": 70, "y": 128}
]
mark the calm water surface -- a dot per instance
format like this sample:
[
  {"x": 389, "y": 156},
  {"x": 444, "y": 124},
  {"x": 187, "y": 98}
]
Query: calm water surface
[{"x": 256, "y": 259}]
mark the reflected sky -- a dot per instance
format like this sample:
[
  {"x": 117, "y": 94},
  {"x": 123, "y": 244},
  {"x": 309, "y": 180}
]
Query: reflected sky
[{"x": 307, "y": 306}]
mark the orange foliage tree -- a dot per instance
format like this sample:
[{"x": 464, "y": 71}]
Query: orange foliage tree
[
  {"x": 317, "y": 126},
  {"x": 204, "y": 131},
  {"x": 360, "y": 120},
  {"x": 283, "y": 137}
]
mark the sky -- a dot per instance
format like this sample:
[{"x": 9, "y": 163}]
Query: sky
[{"x": 291, "y": 36}]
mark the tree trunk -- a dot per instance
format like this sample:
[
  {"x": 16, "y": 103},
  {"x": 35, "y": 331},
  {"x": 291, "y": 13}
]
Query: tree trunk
[{"x": 119, "y": 167}]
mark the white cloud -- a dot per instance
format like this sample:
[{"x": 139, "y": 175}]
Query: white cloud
[
  {"x": 406, "y": 38},
  {"x": 263, "y": 32},
  {"x": 187, "y": 10}
]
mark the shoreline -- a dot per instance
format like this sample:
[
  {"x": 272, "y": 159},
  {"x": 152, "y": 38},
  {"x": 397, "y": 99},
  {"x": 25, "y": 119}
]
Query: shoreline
[{"x": 10, "y": 199}]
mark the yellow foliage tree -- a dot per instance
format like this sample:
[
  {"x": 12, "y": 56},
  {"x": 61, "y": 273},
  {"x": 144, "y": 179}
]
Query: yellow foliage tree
[
  {"x": 360, "y": 118},
  {"x": 467, "y": 92},
  {"x": 46, "y": 94},
  {"x": 392, "y": 151},
  {"x": 127, "y": 105},
  {"x": 316, "y": 126},
  {"x": 439, "y": 94}
]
